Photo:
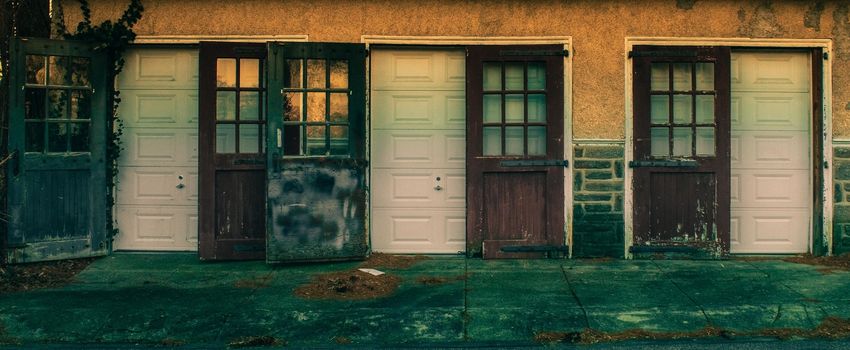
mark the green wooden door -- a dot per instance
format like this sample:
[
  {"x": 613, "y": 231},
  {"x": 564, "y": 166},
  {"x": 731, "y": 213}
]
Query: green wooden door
[
  {"x": 316, "y": 168},
  {"x": 57, "y": 135}
]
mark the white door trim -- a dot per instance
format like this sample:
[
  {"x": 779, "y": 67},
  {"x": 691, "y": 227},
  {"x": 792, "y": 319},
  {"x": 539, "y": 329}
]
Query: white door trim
[
  {"x": 566, "y": 41},
  {"x": 825, "y": 44}
]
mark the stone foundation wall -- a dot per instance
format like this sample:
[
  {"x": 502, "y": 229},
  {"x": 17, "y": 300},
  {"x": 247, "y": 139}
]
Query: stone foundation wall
[
  {"x": 841, "y": 193},
  {"x": 598, "y": 229}
]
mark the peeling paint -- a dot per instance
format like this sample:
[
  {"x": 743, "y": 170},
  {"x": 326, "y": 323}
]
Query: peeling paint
[
  {"x": 761, "y": 23},
  {"x": 811, "y": 19},
  {"x": 685, "y": 4},
  {"x": 841, "y": 30}
]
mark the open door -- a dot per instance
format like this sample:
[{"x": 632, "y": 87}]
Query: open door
[
  {"x": 681, "y": 150},
  {"x": 316, "y": 152},
  {"x": 515, "y": 151},
  {"x": 57, "y": 136},
  {"x": 231, "y": 143}
]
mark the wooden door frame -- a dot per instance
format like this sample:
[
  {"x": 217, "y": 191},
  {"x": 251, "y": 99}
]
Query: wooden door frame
[
  {"x": 820, "y": 243},
  {"x": 435, "y": 42}
]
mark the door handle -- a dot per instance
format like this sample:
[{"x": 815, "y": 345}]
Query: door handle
[{"x": 437, "y": 186}]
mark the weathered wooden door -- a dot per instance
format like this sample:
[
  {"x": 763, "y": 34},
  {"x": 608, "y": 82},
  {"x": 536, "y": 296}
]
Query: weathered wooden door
[
  {"x": 231, "y": 143},
  {"x": 681, "y": 148},
  {"x": 316, "y": 158},
  {"x": 57, "y": 138},
  {"x": 515, "y": 150}
]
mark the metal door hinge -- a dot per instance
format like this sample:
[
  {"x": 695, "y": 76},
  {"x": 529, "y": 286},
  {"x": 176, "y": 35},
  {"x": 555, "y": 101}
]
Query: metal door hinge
[{"x": 826, "y": 55}]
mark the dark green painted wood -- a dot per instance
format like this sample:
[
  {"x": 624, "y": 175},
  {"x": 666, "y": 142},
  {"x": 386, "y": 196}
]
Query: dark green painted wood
[{"x": 57, "y": 201}]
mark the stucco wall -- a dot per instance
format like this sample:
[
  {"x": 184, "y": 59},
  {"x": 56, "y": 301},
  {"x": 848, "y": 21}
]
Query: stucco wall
[{"x": 598, "y": 29}]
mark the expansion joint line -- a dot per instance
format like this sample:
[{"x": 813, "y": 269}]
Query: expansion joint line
[
  {"x": 786, "y": 286},
  {"x": 465, "y": 316},
  {"x": 701, "y": 309},
  {"x": 575, "y": 296}
]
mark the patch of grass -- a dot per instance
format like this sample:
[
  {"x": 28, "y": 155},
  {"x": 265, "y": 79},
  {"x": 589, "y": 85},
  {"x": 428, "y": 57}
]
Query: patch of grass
[
  {"x": 50, "y": 274},
  {"x": 254, "y": 283},
  {"x": 342, "y": 340},
  {"x": 265, "y": 340},
  {"x": 171, "y": 342}
]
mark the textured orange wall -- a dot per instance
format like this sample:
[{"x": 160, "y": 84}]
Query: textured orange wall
[{"x": 598, "y": 29}]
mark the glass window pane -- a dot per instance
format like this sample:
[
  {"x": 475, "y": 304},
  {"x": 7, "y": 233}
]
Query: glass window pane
[
  {"x": 225, "y": 105},
  {"x": 514, "y": 108},
  {"x": 36, "y": 74},
  {"x": 292, "y": 140},
  {"x": 492, "y": 76},
  {"x": 225, "y": 72},
  {"x": 249, "y": 105},
  {"x": 316, "y": 140},
  {"x": 57, "y": 71},
  {"x": 339, "y": 74},
  {"x": 682, "y": 109},
  {"x": 316, "y": 106},
  {"x": 514, "y": 76},
  {"x": 660, "y": 106},
  {"x": 80, "y": 104},
  {"x": 58, "y": 104},
  {"x": 79, "y": 69},
  {"x": 225, "y": 138},
  {"x": 660, "y": 77},
  {"x": 293, "y": 78},
  {"x": 682, "y": 77},
  {"x": 682, "y": 142},
  {"x": 705, "y": 76},
  {"x": 659, "y": 142},
  {"x": 705, "y": 141},
  {"x": 34, "y": 138},
  {"x": 249, "y": 138},
  {"x": 536, "y": 76},
  {"x": 339, "y": 108},
  {"x": 57, "y": 137},
  {"x": 79, "y": 136},
  {"x": 492, "y": 108},
  {"x": 536, "y": 108},
  {"x": 339, "y": 139},
  {"x": 34, "y": 100},
  {"x": 316, "y": 74},
  {"x": 705, "y": 109},
  {"x": 492, "y": 141},
  {"x": 514, "y": 141},
  {"x": 249, "y": 72},
  {"x": 292, "y": 106},
  {"x": 536, "y": 140}
]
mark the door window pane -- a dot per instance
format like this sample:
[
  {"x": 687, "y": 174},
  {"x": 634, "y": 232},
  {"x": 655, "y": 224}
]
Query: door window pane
[
  {"x": 249, "y": 72},
  {"x": 536, "y": 108},
  {"x": 225, "y": 72},
  {"x": 57, "y": 137},
  {"x": 660, "y": 106},
  {"x": 79, "y": 71},
  {"x": 339, "y": 108},
  {"x": 682, "y": 142},
  {"x": 514, "y": 140},
  {"x": 492, "y": 76},
  {"x": 492, "y": 108},
  {"x": 34, "y": 137},
  {"x": 536, "y": 140},
  {"x": 79, "y": 136},
  {"x": 292, "y": 140},
  {"x": 249, "y": 138},
  {"x": 536, "y": 76},
  {"x": 316, "y": 74},
  {"x": 682, "y": 77},
  {"x": 58, "y": 104},
  {"x": 660, "y": 77},
  {"x": 316, "y": 140},
  {"x": 339, "y": 74},
  {"x": 316, "y": 106},
  {"x": 705, "y": 76},
  {"x": 492, "y": 141},
  {"x": 514, "y": 76},
  {"x": 57, "y": 71},
  {"x": 659, "y": 142},
  {"x": 225, "y": 105},
  {"x": 295, "y": 70},
  {"x": 292, "y": 106},
  {"x": 249, "y": 105},
  {"x": 705, "y": 109},
  {"x": 36, "y": 73},
  {"x": 80, "y": 104},
  {"x": 705, "y": 141},
  {"x": 339, "y": 139},
  {"x": 682, "y": 109},
  {"x": 225, "y": 138},
  {"x": 514, "y": 106},
  {"x": 34, "y": 100}
]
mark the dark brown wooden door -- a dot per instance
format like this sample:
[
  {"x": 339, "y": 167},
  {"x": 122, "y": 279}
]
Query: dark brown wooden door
[
  {"x": 515, "y": 150},
  {"x": 681, "y": 148},
  {"x": 232, "y": 179}
]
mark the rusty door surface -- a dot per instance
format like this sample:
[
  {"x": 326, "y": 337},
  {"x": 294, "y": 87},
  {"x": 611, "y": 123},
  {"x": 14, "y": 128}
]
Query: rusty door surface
[
  {"x": 316, "y": 161},
  {"x": 515, "y": 150},
  {"x": 57, "y": 140},
  {"x": 681, "y": 148},
  {"x": 231, "y": 142}
]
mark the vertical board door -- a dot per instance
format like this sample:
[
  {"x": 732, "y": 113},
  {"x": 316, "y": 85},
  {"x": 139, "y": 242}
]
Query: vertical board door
[
  {"x": 157, "y": 197},
  {"x": 771, "y": 191},
  {"x": 316, "y": 152},
  {"x": 232, "y": 159},
  {"x": 681, "y": 147},
  {"x": 418, "y": 119},
  {"x": 515, "y": 150},
  {"x": 57, "y": 135}
]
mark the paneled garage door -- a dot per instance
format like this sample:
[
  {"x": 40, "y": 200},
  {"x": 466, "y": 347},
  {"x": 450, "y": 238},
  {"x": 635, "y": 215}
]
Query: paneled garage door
[
  {"x": 418, "y": 151},
  {"x": 157, "y": 200},
  {"x": 771, "y": 191}
]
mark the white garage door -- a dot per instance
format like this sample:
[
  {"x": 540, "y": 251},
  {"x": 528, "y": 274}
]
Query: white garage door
[
  {"x": 157, "y": 200},
  {"x": 771, "y": 187},
  {"x": 418, "y": 151}
]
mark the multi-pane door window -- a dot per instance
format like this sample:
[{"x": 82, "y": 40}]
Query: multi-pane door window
[
  {"x": 57, "y": 104},
  {"x": 315, "y": 115},
  {"x": 682, "y": 122},
  {"x": 239, "y": 116},
  {"x": 514, "y": 110}
]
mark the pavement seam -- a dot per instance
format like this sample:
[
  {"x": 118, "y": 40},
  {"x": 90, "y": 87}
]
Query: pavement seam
[
  {"x": 801, "y": 295},
  {"x": 575, "y": 296},
  {"x": 227, "y": 316},
  {"x": 701, "y": 309},
  {"x": 465, "y": 316}
]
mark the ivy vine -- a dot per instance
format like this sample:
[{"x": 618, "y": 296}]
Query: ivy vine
[{"x": 113, "y": 39}]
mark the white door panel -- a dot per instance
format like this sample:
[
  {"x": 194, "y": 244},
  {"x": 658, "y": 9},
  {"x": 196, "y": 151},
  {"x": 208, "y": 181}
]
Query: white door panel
[
  {"x": 160, "y": 69},
  {"x": 158, "y": 147},
  {"x": 418, "y": 119},
  {"x": 154, "y": 108},
  {"x": 770, "y": 186},
  {"x": 163, "y": 228}
]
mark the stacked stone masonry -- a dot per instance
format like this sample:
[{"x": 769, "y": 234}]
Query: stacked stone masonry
[
  {"x": 598, "y": 229},
  {"x": 841, "y": 209}
]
